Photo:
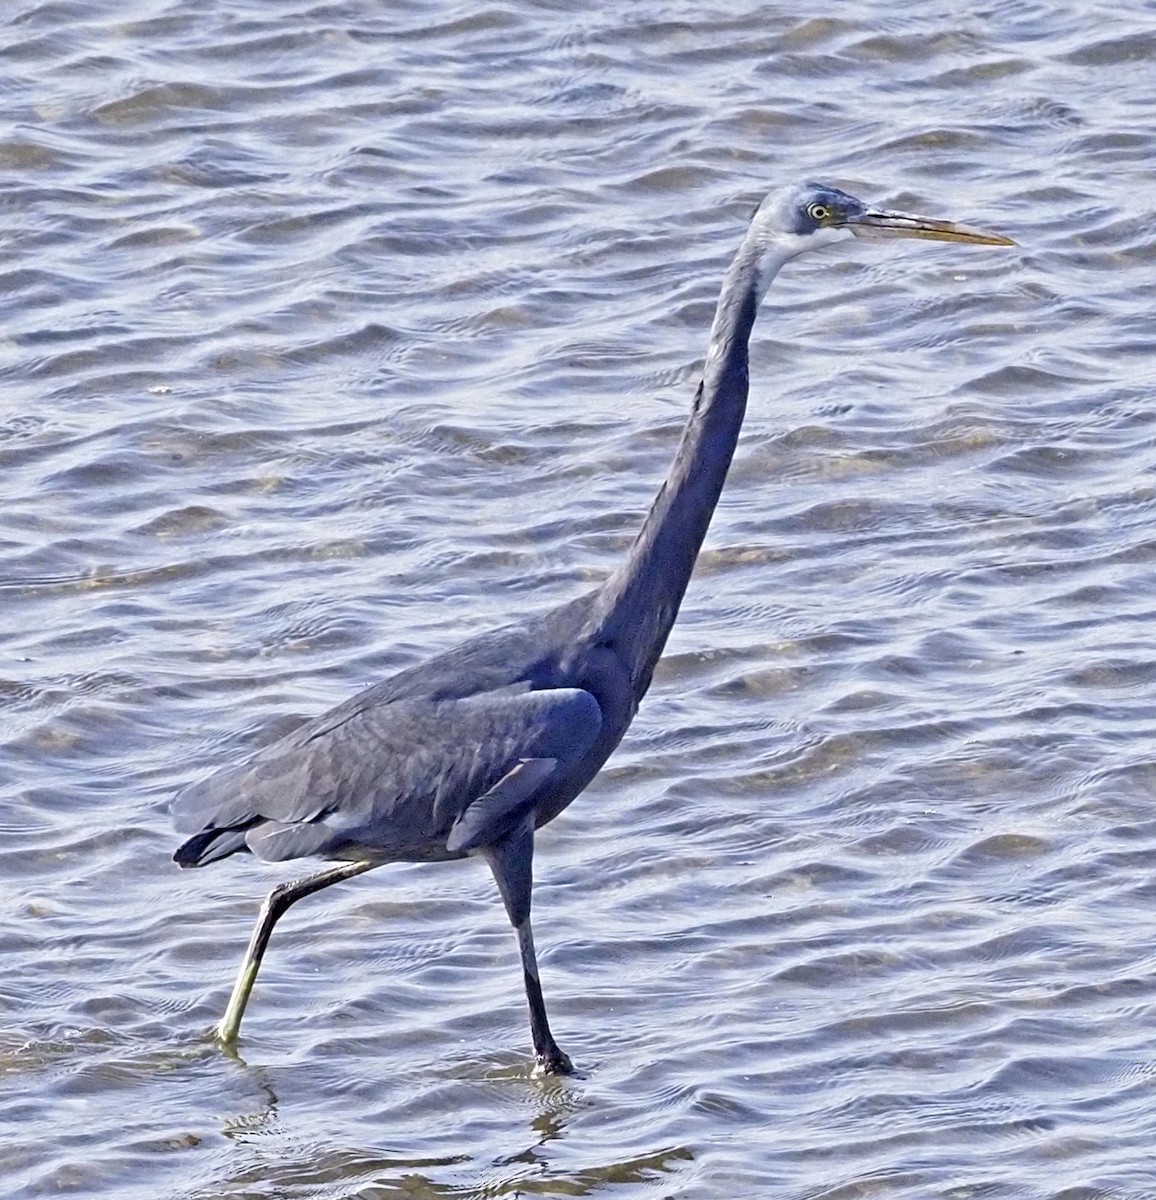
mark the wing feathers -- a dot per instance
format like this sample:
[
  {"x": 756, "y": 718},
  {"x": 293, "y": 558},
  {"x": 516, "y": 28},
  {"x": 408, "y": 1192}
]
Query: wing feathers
[
  {"x": 496, "y": 812},
  {"x": 406, "y": 780}
]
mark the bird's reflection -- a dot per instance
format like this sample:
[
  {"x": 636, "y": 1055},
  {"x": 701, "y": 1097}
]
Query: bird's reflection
[{"x": 271, "y": 1151}]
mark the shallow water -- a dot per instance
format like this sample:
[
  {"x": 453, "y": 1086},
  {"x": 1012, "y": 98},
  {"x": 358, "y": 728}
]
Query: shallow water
[{"x": 335, "y": 332}]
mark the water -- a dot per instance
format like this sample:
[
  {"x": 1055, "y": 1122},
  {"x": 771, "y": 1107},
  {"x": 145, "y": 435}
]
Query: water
[{"x": 333, "y": 333}]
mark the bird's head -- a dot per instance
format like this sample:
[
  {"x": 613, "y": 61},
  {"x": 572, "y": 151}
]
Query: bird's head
[{"x": 797, "y": 219}]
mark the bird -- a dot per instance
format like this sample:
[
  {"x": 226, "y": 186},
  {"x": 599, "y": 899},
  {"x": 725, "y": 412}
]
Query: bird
[{"x": 469, "y": 753}]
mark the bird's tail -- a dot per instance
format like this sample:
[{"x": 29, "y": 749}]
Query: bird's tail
[{"x": 209, "y": 845}]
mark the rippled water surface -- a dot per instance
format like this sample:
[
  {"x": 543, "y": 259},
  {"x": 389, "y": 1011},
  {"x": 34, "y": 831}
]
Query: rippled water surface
[{"x": 333, "y": 332}]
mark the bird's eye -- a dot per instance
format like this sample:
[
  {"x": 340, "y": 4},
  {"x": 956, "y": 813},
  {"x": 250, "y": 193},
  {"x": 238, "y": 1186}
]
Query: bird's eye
[{"x": 818, "y": 212}]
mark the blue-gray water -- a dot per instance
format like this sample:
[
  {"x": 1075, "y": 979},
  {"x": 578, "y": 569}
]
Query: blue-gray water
[{"x": 334, "y": 332}]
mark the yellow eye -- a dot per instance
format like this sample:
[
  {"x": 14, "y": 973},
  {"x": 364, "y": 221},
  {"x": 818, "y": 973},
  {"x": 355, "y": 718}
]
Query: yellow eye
[{"x": 818, "y": 212}]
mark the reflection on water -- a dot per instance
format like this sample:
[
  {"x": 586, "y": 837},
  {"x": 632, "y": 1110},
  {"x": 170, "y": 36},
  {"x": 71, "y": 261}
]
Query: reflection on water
[{"x": 332, "y": 334}]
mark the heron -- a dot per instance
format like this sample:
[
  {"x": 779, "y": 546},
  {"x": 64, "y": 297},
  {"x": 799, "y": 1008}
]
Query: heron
[{"x": 470, "y": 752}]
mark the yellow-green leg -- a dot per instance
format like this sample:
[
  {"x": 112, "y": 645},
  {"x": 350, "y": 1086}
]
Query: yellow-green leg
[{"x": 277, "y": 901}]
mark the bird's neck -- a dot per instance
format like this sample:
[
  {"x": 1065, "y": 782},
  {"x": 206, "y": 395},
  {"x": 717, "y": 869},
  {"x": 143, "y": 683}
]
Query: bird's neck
[{"x": 638, "y": 604}]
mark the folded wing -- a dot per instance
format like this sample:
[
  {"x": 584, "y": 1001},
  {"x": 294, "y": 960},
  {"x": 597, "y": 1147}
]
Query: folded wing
[{"x": 407, "y": 780}]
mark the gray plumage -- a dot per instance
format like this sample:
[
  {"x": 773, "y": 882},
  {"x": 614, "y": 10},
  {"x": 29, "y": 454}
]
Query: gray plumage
[{"x": 469, "y": 752}]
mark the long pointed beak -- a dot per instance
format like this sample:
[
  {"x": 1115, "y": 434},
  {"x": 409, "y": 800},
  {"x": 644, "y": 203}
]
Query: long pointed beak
[{"x": 880, "y": 223}]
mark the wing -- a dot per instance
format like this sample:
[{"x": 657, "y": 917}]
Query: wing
[
  {"x": 407, "y": 780},
  {"x": 494, "y": 813}
]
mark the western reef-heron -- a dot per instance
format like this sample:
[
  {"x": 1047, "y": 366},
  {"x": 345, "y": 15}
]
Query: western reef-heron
[{"x": 470, "y": 752}]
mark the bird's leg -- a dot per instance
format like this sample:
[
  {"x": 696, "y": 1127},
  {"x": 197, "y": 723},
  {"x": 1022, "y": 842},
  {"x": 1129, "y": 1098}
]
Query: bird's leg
[
  {"x": 552, "y": 1060},
  {"x": 511, "y": 861},
  {"x": 277, "y": 901}
]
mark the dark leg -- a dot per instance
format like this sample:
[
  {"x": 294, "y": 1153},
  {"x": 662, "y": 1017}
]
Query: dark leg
[
  {"x": 277, "y": 901},
  {"x": 551, "y": 1059},
  {"x": 512, "y": 864}
]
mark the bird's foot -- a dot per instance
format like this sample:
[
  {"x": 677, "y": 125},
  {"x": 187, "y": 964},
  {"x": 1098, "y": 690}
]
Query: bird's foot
[{"x": 554, "y": 1062}]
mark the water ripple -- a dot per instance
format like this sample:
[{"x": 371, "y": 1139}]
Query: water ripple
[{"x": 335, "y": 333}]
